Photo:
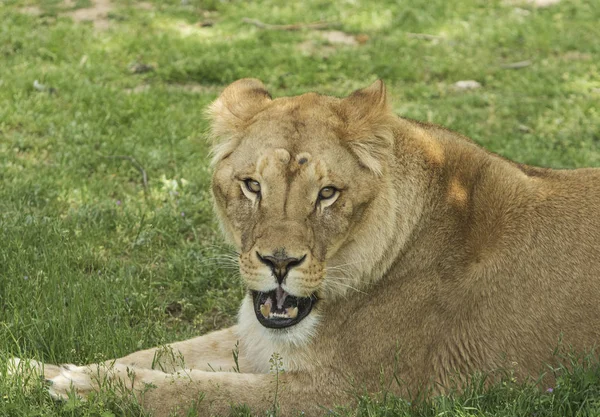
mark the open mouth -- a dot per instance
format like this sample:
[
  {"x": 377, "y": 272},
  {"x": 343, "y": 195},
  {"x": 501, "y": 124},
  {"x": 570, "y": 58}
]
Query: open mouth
[{"x": 277, "y": 309}]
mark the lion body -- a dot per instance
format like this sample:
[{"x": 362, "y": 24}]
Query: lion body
[{"x": 437, "y": 259}]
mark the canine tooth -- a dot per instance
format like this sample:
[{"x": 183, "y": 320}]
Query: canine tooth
[
  {"x": 292, "y": 312},
  {"x": 265, "y": 310}
]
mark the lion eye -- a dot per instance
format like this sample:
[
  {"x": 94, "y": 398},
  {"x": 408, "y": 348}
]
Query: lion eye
[
  {"x": 327, "y": 193},
  {"x": 252, "y": 185}
]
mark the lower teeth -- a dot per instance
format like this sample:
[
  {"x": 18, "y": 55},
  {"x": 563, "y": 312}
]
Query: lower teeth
[{"x": 290, "y": 313}]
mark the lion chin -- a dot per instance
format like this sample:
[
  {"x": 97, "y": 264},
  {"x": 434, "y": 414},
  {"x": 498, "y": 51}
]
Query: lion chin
[{"x": 371, "y": 246}]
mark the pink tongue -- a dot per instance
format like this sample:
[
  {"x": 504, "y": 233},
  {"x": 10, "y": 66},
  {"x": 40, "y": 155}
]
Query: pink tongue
[{"x": 280, "y": 295}]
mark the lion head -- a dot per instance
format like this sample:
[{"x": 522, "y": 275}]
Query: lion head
[{"x": 302, "y": 189}]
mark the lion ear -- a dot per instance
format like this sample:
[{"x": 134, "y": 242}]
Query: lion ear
[
  {"x": 369, "y": 125},
  {"x": 367, "y": 100},
  {"x": 236, "y": 105}
]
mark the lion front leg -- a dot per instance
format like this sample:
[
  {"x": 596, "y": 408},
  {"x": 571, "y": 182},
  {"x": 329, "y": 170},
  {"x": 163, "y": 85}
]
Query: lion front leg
[
  {"x": 215, "y": 351},
  {"x": 82, "y": 380},
  {"x": 210, "y": 393}
]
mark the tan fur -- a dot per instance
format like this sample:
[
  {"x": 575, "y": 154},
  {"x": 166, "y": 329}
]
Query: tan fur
[{"x": 437, "y": 258}]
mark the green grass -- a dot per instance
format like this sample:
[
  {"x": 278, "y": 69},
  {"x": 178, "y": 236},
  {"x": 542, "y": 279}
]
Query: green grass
[{"x": 94, "y": 264}]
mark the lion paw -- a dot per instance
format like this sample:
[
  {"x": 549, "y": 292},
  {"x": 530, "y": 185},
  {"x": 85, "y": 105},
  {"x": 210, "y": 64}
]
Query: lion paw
[
  {"x": 18, "y": 366},
  {"x": 26, "y": 367},
  {"x": 71, "y": 379}
]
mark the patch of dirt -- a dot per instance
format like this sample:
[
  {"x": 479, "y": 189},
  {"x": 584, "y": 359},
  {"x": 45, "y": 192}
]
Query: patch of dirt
[
  {"x": 137, "y": 89},
  {"x": 543, "y": 3},
  {"x": 201, "y": 29},
  {"x": 576, "y": 56},
  {"x": 177, "y": 88},
  {"x": 97, "y": 13},
  {"x": 333, "y": 40},
  {"x": 144, "y": 6},
  {"x": 339, "y": 37},
  {"x": 313, "y": 48},
  {"x": 31, "y": 10},
  {"x": 195, "y": 88},
  {"x": 535, "y": 3}
]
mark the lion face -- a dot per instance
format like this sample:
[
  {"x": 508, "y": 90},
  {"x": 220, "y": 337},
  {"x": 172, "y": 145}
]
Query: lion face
[{"x": 290, "y": 190}]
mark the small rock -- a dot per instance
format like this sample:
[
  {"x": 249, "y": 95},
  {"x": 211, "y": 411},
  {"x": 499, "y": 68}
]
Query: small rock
[
  {"x": 42, "y": 87},
  {"x": 524, "y": 128},
  {"x": 39, "y": 86},
  {"x": 466, "y": 85}
]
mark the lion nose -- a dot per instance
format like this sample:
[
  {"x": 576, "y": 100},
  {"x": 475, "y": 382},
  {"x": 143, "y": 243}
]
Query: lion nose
[{"x": 280, "y": 265}]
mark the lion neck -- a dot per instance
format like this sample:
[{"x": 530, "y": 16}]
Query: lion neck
[{"x": 465, "y": 199}]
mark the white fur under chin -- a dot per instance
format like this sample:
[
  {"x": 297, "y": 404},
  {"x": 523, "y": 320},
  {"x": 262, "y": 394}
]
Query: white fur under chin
[{"x": 260, "y": 343}]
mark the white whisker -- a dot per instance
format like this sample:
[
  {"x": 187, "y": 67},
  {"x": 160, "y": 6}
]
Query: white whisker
[{"x": 346, "y": 286}]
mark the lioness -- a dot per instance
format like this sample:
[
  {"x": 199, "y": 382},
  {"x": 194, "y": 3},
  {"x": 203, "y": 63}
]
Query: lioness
[{"x": 373, "y": 246}]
